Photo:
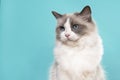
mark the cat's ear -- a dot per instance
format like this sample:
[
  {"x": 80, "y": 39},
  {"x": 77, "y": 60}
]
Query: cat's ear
[
  {"x": 86, "y": 13},
  {"x": 56, "y": 14}
]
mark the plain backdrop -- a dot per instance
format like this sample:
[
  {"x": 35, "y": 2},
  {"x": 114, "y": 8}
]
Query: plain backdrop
[{"x": 27, "y": 35}]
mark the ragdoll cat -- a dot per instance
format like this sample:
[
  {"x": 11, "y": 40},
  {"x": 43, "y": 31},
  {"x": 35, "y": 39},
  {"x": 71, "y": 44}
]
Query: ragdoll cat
[{"x": 78, "y": 50}]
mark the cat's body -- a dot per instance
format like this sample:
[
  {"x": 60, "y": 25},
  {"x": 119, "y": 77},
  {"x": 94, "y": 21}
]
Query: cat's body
[{"x": 78, "y": 51}]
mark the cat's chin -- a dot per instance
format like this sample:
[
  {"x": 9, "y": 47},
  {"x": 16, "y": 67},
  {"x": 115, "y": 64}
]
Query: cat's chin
[
  {"x": 71, "y": 43},
  {"x": 72, "y": 40}
]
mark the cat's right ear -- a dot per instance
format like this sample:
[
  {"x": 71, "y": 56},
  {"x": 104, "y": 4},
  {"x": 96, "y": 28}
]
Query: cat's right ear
[{"x": 56, "y": 14}]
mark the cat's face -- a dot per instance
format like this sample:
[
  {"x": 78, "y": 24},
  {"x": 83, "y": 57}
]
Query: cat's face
[{"x": 71, "y": 27}]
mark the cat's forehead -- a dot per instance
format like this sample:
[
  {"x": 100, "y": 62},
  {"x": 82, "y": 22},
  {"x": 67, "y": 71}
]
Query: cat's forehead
[
  {"x": 72, "y": 18},
  {"x": 66, "y": 16}
]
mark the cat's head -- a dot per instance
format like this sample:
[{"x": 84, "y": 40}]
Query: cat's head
[{"x": 72, "y": 27}]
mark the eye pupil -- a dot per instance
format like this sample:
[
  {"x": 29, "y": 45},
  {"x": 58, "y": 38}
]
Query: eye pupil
[{"x": 62, "y": 28}]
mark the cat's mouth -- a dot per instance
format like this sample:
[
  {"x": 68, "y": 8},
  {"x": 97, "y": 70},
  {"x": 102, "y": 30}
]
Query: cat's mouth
[{"x": 72, "y": 40}]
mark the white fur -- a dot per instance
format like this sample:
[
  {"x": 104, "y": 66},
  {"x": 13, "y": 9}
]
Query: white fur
[
  {"x": 71, "y": 62},
  {"x": 79, "y": 58}
]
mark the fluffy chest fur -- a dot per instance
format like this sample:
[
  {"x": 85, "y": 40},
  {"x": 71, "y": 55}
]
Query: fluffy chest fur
[{"x": 85, "y": 57}]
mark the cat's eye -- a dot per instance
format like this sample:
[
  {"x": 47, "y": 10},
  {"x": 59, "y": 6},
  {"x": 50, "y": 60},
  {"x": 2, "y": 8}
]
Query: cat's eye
[
  {"x": 62, "y": 28},
  {"x": 75, "y": 26}
]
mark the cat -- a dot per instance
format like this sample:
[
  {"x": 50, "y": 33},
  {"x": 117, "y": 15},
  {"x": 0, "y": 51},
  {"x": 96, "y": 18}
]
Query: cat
[{"x": 78, "y": 48}]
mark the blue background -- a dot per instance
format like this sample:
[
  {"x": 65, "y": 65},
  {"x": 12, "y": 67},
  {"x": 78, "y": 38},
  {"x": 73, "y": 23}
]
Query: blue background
[{"x": 27, "y": 35}]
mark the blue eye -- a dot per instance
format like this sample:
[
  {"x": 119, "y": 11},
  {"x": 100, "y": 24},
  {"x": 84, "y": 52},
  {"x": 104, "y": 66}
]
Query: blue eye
[
  {"x": 75, "y": 26},
  {"x": 62, "y": 28}
]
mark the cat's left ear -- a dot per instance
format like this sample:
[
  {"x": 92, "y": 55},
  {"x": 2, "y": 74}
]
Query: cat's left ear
[
  {"x": 56, "y": 14},
  {"x": 86, "y": 13}
]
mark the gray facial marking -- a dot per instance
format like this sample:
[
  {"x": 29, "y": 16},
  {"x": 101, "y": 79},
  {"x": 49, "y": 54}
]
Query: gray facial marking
[
  {"x": 60, "y": 23},
  {"x": 76, "y": 25}
]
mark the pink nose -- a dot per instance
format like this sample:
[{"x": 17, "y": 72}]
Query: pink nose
[{"x": 67, "y": 35}]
